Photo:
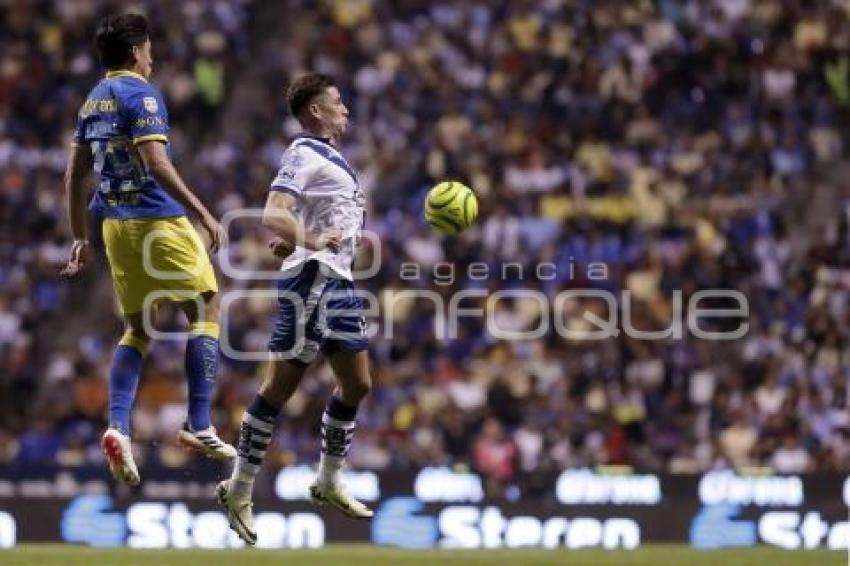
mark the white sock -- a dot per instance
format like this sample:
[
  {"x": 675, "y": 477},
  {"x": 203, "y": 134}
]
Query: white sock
[
  {"x": 330, "y": 468},
  {"x": 254, "y": 438},
  {"x": 336, "y": 439}
]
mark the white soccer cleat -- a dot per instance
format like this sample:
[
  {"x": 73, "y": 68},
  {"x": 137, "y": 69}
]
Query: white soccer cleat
[
  {"x": 240, "y": 513},
  {"x": 205, "y": 442},
  {"x": 119, "y": 454},
  {"x": 337, "y": 496}
]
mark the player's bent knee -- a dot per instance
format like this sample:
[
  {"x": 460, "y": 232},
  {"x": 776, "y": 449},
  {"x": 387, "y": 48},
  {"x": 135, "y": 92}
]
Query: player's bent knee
[
  {"x": 134, "y": 328},
  {"x": 356, "y": 390},
  {"x": 211, "y": 307},
  {"x": 203, "y": 308},
  {"x": 135, "y": 336},
  {"x": 210, "y": 314}
]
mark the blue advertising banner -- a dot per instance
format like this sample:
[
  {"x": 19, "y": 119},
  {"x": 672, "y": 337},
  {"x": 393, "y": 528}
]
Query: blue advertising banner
[{"x": 432, "y": 507}]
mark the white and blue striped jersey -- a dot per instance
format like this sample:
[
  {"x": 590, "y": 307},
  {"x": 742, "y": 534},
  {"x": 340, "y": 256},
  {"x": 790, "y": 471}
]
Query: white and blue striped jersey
[{"x": 328, "y": 195}]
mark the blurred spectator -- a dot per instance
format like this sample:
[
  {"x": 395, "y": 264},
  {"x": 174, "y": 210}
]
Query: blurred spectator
[
  {"x": 791, "y": 457},
  {"x": 494, "y": 455}
]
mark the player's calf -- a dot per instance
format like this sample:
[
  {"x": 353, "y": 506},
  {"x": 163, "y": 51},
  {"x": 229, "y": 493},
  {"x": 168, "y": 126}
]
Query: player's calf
[
  {"x": 255, "y": 435},
  {"x": 235, "y": 493},
  {"x": 337, "y": 429}
]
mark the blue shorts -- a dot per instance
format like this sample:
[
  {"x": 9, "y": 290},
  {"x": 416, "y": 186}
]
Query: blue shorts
[{"x": 317, "y": 312}]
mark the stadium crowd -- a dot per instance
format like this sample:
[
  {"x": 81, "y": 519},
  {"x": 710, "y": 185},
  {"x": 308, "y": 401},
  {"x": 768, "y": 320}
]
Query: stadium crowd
[{"x": 680, "y": 144}]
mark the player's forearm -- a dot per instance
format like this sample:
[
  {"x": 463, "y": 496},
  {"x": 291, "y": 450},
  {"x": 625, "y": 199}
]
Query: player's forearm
[
  {"x": 77, "y": 209},
  {"x": 279, "y": 218},
  {"x": 169, "y": 179},
  {"x": 284, "y": 224},
  {"x": 75, "y": 194}
]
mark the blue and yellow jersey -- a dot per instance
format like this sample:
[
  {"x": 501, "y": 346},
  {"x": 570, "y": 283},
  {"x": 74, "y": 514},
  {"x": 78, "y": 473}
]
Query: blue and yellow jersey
[{"x": 123, "y": 110}]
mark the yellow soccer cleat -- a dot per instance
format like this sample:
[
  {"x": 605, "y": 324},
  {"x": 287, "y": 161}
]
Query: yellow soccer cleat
[
  {"x": 337, "y": 496},
  {"x": 240, "y": 513}
]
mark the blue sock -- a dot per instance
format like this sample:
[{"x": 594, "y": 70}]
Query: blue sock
[
  {"x": 123, "y": 381},
  {"x": 201, "y": 369}
]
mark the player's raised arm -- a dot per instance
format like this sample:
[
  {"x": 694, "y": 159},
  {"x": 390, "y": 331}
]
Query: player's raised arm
[
  {"x": 79, "y": 164},
  {"x": 159, "y": 166},
  {"x": 279, "y": 218}
]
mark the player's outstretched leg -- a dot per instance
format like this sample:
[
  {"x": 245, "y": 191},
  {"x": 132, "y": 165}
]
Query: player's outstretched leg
[
  {"x": 337, "y": 429},
  {"x": 235, "y": 493},
  {"x": 255, "y": 435},
  {"x": 123, "y": 381},
  {"x": 202, "y": 355}
]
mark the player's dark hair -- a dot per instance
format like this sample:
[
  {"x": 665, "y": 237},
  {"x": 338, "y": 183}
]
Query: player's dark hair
[
  {"x": 117, "y": 35},
  {"x": 302, "y": 91}
]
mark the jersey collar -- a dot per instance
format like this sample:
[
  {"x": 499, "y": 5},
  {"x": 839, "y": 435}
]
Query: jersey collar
[
  {"x": 124, "y": 73},
  {"x": 312, "y": 137}
]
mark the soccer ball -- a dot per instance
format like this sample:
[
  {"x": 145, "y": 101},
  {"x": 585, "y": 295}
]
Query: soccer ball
[{"x": 450, "y": 207}]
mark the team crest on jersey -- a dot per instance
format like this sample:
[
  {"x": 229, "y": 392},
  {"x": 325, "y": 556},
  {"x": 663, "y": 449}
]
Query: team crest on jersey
[
  {"x": 150, "y": 104},
  {"x": 292, "y": 160},
  {"x": 290, "y": 164}
]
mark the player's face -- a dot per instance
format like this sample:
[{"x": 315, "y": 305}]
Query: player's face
[
  {"x": 334, "y": 114},
  {"x": 144, "y": 59}
]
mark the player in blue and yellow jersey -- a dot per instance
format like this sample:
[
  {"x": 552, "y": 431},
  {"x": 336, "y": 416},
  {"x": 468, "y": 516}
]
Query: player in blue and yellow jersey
[{"x": 153, "y": 250}]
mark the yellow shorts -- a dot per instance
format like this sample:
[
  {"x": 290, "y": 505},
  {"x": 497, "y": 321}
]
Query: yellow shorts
[{"x": 163, "y": 258}]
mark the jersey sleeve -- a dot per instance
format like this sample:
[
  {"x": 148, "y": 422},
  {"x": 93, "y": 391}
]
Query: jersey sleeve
[
  {"x": 296, "y": 169},
  {"x": 146, "y": 114}
]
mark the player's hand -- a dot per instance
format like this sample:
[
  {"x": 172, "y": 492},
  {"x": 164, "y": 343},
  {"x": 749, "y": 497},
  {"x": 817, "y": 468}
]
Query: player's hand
[
  {"x": 281, "y": 248},
  {"x": 332, "y": 239},
  {"x": 217, "y": 233},
  {"x": 78, "y": 260}
]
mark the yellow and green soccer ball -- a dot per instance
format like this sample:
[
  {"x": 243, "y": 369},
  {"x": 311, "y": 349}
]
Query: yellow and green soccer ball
[{"x": 451, "y": 207}]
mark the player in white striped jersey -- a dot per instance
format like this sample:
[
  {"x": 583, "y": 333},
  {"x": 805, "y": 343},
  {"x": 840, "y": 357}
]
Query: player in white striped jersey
[
  {"x": 334, "y": 201},
  {"x": 316, "y": 209}
]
